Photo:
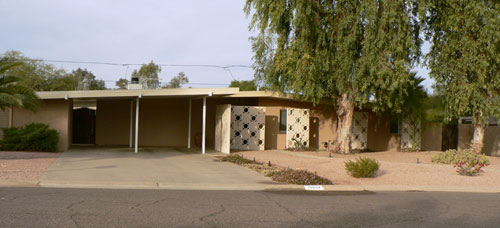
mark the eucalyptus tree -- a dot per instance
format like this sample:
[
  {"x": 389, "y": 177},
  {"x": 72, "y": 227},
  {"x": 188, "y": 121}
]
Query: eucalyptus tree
[
  {"x": 348, "y": 52},
  {"x": 464, "y": 59},
  {"x": 148, "y": 75}
]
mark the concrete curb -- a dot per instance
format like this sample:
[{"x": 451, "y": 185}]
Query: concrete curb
[
  {"x": 263, "y": 187},
  {"x": 4, "y": 183}
]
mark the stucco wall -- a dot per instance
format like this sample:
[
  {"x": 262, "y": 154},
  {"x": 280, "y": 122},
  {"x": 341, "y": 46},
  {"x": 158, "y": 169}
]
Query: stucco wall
[
  {"x": 162, "y": 122},
  {"x": 113, "y": 122},
  {"x": 379, "y": 134},
  {"x": 465, "y": 132},
  {"x": 4, "y": 119},
  {"x": 56, "y": 113},
  {"x": 491, "y": 138},
  {"x": 432, "y": 136},
  {"x": 323, "y": 121}
]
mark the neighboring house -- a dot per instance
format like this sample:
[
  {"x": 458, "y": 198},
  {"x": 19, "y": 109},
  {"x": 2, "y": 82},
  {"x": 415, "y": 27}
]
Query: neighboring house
[{"x": 206, "y": 118}]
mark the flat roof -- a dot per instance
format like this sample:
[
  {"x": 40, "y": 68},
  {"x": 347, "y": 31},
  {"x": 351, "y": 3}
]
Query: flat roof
[{"x": 135, "y": 93}]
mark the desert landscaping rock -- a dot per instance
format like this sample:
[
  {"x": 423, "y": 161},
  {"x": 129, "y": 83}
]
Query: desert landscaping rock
[
  {"x": 24, "y": 166},
  {"x": 397, "y": 168}
]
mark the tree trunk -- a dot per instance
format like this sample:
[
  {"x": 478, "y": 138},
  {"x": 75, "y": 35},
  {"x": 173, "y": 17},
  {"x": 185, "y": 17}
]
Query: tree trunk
[
  {"x": 345, "y": 114},
  {"x": 479, "y": 129}
]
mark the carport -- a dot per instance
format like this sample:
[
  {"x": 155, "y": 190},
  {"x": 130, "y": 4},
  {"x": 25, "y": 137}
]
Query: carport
[{"x": 151, "y": 118}]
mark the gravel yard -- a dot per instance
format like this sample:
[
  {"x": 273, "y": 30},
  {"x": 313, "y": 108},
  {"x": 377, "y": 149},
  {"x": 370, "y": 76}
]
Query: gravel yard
[
  {"x": 397, "y": 168},
  {"x": 24, "y": 166}
]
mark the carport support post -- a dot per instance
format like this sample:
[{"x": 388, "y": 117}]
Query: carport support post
[
  {"x": 136, "y": 125},
  {"x": 131, "y": 122},
  {"x": 203, "y": 125},
  {"x": 189, "y": 125}
]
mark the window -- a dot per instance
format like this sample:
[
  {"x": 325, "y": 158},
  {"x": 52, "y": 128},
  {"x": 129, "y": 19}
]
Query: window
[
  {"x": 283, "y": 120},
  {"x": 394, "y": 126}
]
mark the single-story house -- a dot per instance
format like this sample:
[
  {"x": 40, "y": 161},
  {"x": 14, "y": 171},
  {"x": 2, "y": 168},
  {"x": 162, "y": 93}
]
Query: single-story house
[{"x": 220, "y": 118}]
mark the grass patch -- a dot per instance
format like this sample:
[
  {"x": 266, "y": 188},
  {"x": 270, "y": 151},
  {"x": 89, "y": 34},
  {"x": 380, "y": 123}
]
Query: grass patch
[{"x": 299, "y": 177}]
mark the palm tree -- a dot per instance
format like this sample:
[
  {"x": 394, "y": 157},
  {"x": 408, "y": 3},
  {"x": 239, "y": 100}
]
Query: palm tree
[{"x": 11, "y": 93}]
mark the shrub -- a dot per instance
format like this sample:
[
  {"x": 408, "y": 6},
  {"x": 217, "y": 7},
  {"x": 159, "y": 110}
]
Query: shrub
[
  {"x": 237, "y": 159},
  {"x": 34, "y": 137},
  {"x": 362, "y": 167},
  {"x": 469, "y": 167},
  {"x": 455, "y": 157},
  {"x": 300, "y": 177}
]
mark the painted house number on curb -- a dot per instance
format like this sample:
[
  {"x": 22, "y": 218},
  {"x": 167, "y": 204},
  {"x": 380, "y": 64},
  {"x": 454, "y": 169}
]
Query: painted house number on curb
[{"x": 314, "y": 187}]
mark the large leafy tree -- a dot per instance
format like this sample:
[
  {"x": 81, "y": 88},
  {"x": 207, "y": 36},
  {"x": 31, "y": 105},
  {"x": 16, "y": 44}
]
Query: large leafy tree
[
  {"x": 148, "y": 75},
  {"x": 349, "y": 52},
  {"x": 244, "y": 85},
  {"x": 177, "y": 81},
  {"x": 12, "y": 94},
  {"x": 86, "y": 80},
  {"x": 35, "y": 74},
  {"x": 40, "y": 76},
  {"x": 122, "y": 83},
  {"x": 464, "y": 59}
]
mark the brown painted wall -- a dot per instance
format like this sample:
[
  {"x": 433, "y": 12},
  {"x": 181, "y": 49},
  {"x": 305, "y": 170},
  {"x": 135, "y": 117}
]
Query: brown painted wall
[
  {"x": 323, "y": 122},
  {"x": 162, "y": 122},
  {"x": 113, "y": 122},
  {"x": 379, "y": 134},
  {"x": 465, "y": 132},
  {"x": 432, "y": 135},
  {"x": 56, "y": 113},
  {"x": 491, "y": 138}
]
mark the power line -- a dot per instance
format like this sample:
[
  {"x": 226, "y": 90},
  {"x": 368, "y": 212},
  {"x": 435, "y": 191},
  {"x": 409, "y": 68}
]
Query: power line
[{"x": 140, "y": 64}]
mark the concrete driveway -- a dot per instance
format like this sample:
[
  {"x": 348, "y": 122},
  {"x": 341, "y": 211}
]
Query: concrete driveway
[{"x": 150, "y": 168}]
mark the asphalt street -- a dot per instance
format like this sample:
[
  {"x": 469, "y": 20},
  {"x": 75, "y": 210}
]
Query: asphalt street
[{"x": 51, "y": 207}]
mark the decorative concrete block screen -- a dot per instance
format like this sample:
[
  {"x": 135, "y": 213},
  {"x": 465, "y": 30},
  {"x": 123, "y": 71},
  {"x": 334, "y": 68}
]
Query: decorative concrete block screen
[
  {"x": 359, "y": 131},
  {"x": 297, "y": 127},
  {"x": 248, "y": 127},
  {"x": 410, "y": 135}
]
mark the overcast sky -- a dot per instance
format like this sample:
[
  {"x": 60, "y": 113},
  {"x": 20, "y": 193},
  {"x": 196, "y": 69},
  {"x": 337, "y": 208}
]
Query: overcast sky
[{"x": 167, "y": 32}]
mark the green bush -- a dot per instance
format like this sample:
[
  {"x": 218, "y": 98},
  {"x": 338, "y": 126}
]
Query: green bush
[
  {"x": 300, "y": 177},
  {"x": 362, "y": 167},
  {"x": 32, "y": 137},
  {"x": 455, "y": 157}
]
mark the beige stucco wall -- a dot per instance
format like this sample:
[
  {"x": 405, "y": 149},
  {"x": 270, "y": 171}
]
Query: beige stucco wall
[
  {"x": 113, "y": 122},
  {"x": 4, "y": 119},
  {"x": 432, "y": 137},
  {"x": 323, "y": 121},
  {"x": 162, "y": 122},
  {"x": 56, "y": 113},
  {"x": 465, "y": 132},
  {"x": 379, "y": 134},
  {"x": 491, "y": 138}
]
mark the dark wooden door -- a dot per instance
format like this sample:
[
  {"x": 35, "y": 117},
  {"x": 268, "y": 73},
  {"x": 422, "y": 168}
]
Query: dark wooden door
[{"x": 84, "y": 126}]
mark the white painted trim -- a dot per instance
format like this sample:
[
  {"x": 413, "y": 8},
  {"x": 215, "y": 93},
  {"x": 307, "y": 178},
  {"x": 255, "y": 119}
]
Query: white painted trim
[
  {"x": 189, "y": 125},
  {"x": 136, "y": 125},
  {"x": 131, "y": 129},
  {"x": 204, "y": 125}
]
